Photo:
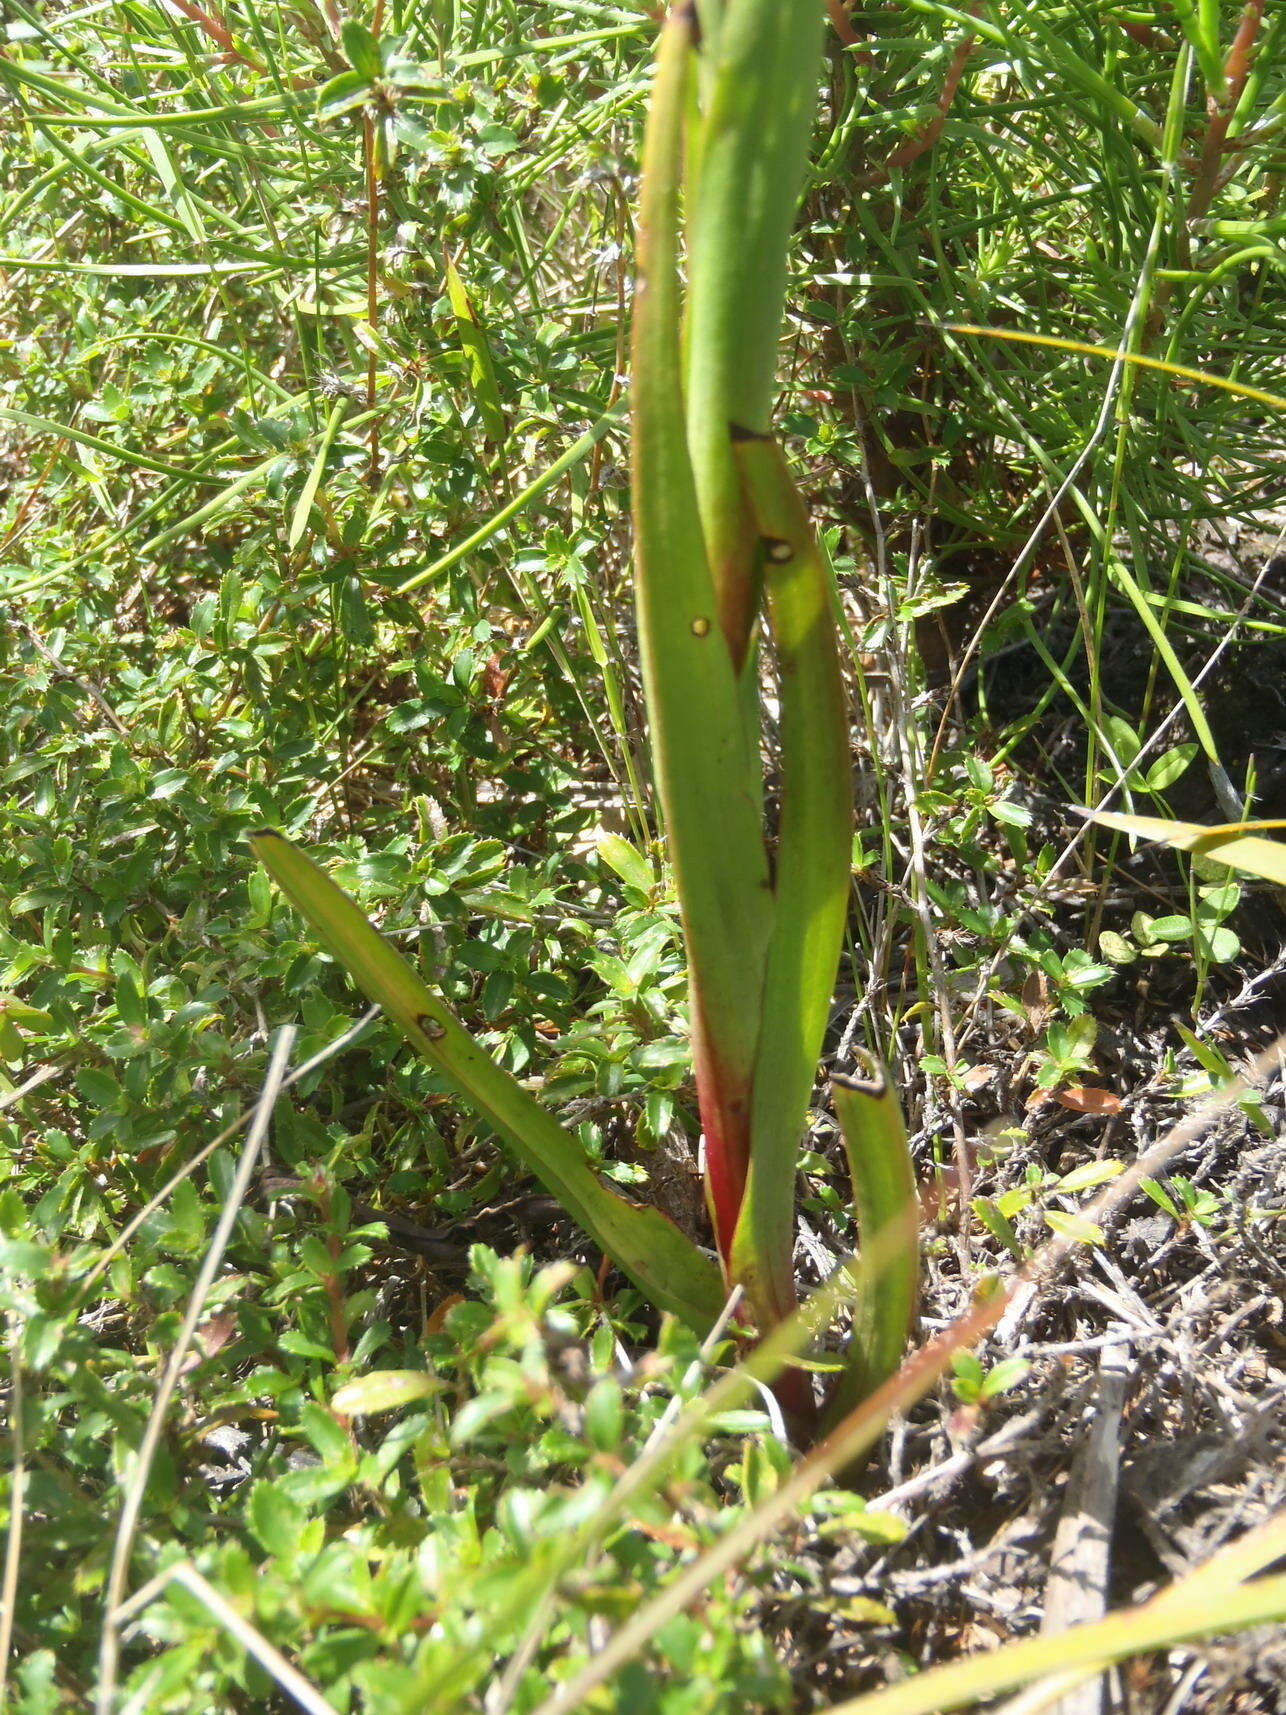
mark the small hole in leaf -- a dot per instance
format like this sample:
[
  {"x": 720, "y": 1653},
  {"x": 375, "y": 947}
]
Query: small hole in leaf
[
  {"x": 431, "y": 1028},
  {"x": 776, "y": 551},
  {"x": 701, "y": 627}
]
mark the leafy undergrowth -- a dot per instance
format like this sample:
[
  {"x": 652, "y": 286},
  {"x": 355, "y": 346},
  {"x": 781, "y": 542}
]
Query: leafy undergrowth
[{"x": 224, "y": 457}]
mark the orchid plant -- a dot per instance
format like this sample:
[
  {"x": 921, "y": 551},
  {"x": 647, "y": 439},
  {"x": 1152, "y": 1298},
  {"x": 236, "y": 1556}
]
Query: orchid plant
[{"x": 723, "y": 552}]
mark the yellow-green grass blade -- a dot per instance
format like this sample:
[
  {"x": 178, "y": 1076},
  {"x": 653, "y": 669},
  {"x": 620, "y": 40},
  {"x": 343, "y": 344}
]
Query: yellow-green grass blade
[
  {"x": 887, "y": 1209},
  {"x": 1166, "y": 1621},
  {"x": 312, "y": 482},
  {"x": 99, "y": 444},
  {"x": 1110, "y": 354},
  {"x": 566, "y": 460},
  {"x": 1233, "y": 843},
  {"x": 665, "y": 1265},
  {"x": 813, "y": 862},
  {"x": 747, "y": 166},
  {"x": 477, "y": 356},
  {"x": 705, "y": 757}
]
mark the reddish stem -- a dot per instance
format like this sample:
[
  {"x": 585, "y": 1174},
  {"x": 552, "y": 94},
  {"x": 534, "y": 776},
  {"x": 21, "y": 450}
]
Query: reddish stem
[
  {"x": 725, "y": 1121},
  {"x": 372, "y": 285},
  {"x": 1220, "y": 110},
  {"x": 924, "y": 140}
]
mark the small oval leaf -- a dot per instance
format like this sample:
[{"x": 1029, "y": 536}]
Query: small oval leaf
[{"x": 384, "y": 1390}]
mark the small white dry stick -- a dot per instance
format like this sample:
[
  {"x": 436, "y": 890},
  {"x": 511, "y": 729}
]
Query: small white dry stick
[
  {"x": 41, "y": 1075},
  {"x": 118, "y": 1572},
  {"x": 1081, "y": 1560},
  {"x": 269, "y": 1657},
  {"x": 17, "y": 1497},
  {"x": 243, "y": 1119}
]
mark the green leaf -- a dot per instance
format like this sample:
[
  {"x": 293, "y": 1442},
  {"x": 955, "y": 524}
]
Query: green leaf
[
  {"x": 1169, "y": 767},
  {"x": 605, "y": 1416},
  {"x": 1219, "y": 944},
  {"x": 477, "y": 356},
  {"x": 997, "y": 1224},
  {"x": 361, "y": 48},
  {"x": 627, "y": 862},
  {"x": 811, "y": 883},
  {"x": 276, "y": 1519},
  {"x": 1072, "y": 1226},
  {"x": 872, "y": 1525},
  {"x": 1171, "y": 929},
  {"x": 746, "y": 161},
  {"x": 650, "y": 1249},
  {"x": 888, "y": 1219},
  {"x": 326, "y": 1436},
  {"x": 1089, "y": 1174},
  {"x": 705, "y": 751},
  {"x": 1124, "y": 740},
  {"x": 1160, "y": 1196},
  {"x": 418, "y": 79},
  {"x": 98, "y": 1088},
  {"x": 1208, "y": 1056},
  {"x": 1002, "y": 1376},
  {"x": 301, "y": 1345},
  {"x": 343, "y": 93},
  {"x": 967, "y": 1368},
  {"x": 384, "y": 1390},
  {"x": 1116, "y": 949}
]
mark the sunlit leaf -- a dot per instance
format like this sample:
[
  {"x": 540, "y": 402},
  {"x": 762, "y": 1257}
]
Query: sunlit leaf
[{"x": 1235, "y": 843}]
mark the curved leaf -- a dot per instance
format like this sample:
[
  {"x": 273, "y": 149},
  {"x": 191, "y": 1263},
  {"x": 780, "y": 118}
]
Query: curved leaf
[{"x": 665, "y": 1265}]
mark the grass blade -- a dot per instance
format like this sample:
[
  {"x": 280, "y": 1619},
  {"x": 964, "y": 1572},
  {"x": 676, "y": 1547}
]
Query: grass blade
[
  {"x": 477, "y": 356},
  {"x": 312, "y": 482},
  {"x": 578, "y": 450},
  {"x": 1232, "y": 843},
  {"x": 1160, "y": 1624},
  {"x": 1109, "y": 354}
]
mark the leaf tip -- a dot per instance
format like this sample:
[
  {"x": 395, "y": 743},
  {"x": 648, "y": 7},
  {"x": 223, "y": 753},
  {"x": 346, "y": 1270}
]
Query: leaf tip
[{"x": 868, "y": 1079}]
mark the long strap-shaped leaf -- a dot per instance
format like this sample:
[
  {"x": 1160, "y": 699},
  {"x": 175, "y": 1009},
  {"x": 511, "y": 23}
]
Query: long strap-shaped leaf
[
  {"x": 745, "y": 177},
  {"x": 665, "y": 1266},
  {"x": 814, "y": 861},
  {"x": 888, "y": 1211},
  {"x": 705, "y": 757}
]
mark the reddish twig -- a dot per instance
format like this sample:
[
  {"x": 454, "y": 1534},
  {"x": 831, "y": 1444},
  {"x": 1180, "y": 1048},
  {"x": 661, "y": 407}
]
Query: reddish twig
[
  {"x": 841, "y": 23},
  {"x": 924, "y": 140},
  {"x": 1220, "y": 109},
  {"x": 372, "y": 285},
  {"x": 217, "y": 31}
]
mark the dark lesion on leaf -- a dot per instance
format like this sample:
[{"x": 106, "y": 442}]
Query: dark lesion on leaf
[{"x": 874, "y": 1086}]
